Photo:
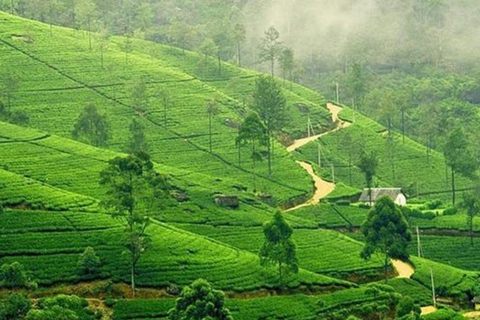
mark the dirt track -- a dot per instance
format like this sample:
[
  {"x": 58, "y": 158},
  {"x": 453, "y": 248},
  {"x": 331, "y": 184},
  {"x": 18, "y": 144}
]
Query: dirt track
[
  {"x": 404, "y": 269},
  {"x": 334, "y": 110},
  {"x": 322, "y": 188}
]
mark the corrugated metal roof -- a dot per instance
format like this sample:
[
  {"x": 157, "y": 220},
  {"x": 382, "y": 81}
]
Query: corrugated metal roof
[{"x": 377, "y": 193}]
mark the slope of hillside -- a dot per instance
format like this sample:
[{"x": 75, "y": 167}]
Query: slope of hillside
[
  {"x": 404, "y": 164},
  {"x": 59, "y": 75}
]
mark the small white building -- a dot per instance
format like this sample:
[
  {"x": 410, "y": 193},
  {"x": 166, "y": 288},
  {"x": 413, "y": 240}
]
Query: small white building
[{"x": 393, "y": 193}]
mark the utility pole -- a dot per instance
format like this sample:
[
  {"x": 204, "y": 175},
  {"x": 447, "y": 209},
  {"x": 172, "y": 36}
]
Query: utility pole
[
  {"x": 308, "y": 126},
  {"x": 319, "y": 155},
  {"x": 337, "y": 89},
  {"x": 433, "y": 289},
  {"x": 333, "y": 173},
  {"x": 419, "y": 245}
]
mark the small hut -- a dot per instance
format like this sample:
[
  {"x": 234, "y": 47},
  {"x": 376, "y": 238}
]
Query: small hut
[
  {"x": 476, "y": 303},
  {"x": 393, "y": 193}
]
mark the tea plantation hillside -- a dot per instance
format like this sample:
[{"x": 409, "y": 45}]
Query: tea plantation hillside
[
  {"x": 51, "y": 199},
  {"x": 58, "y": 72},
  {"x": 403, "y": 163}
]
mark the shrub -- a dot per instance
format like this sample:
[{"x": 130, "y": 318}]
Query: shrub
[
  {"x": 201, "y": 300},
  {"x": 13, "y": 275},
  {"x": 89, "y": 263},
  {"x": 16, "y": 306},
  {"x": 433, "y": 204},
  {"x": 450, "y": 211},
  {"x": 342, "y": 202}
]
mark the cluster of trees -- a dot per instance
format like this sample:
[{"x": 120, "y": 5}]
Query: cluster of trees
[
  {"x": 212, "y": 27},
  {"x": 9, "y": 85},
  {"x": 61, "y": 307},
  {"x": 269, "y": 116}
]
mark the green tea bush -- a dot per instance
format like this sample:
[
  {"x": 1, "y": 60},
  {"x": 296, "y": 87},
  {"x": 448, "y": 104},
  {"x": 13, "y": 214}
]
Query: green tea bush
[{"x": 450, "y": 211}]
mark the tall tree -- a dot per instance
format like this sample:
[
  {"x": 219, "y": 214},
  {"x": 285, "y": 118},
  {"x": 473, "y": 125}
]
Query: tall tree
[
  {"x": 207, "y": 48},
  {"x": 239, "y": 36},
  {"x": 287, "y": 63},
  {"x": 103, "y": 39},
  {"x": 368, "y": 165},
  {"x": 139, "y": 95},
  {"x": 278, "y": 247},
  {"x": 91, "y": 127},
  {"x": 9, "y": 86},
  {"x": 471, "y": 205},
  {"x": 86, "y": 11},
  {"x": 386, "y": 231},
  {"x": 271, "y": 105},
  {"x": 253, "y": 132},
  {"x": 212, "y": 110},
  {"x": 459, "y": 157},
  {"x": 199, "y": 301},
  {"x": 138, "y": 141},
  {"x": 271, "y": 48},
  {"x": 356, "y": 84},
  {"x": 133, "y": 191}
]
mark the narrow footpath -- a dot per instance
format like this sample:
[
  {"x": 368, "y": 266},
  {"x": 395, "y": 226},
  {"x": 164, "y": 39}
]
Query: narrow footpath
[{"x": 322, "y": 188}]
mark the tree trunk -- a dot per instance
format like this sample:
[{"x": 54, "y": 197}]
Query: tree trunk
[
  {"x": 165, "y": 112},
  {"x": 272, "y": 66},
  {"x": 254, "y": 165},
  {"x": 453, "y": 186},
  {"x": 470, "y": 222},
  {"x": 385, "y": 267},
  {"x": 210, "y": 130},
  {"x": 350, "y": 168},
  {"x": 219, "y": 65},
  {"x": 133, "y": 276},
  {"x": 239, "y": 55},
  {"x": 280, "y": 273},
  {"x": 89, "y": 35},
  {"x": 239, "y": 156},
  {"x": 269, "y": 153},
  {"x": 403, "y": 125}
]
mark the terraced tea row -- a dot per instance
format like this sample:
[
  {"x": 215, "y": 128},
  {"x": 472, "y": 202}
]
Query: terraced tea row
[
  {"x": 175, "y": 256},
  {"x": 320, "y": 251}
]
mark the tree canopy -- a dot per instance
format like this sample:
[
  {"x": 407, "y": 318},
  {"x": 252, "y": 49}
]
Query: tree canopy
[
  {"x": 199, "y": 301},
  {"x": 386, "y": 231},
  {"x": 278, "y": 247},
  {"x": 133, "y": 193},
  {"x": 91, "y": 127}
]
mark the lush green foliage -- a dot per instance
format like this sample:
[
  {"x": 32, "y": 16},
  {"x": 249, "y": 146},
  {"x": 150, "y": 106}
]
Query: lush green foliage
[
  {"x": 200, "y": 301},
  {"x": 386, "y": 231},
  {"x": 278, "y": 247}
]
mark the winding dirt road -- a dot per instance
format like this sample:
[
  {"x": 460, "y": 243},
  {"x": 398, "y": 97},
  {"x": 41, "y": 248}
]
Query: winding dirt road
[
  {"x": 334, "y": 110},
  {"x": 404, "y": 269},
  {"x": 322, "y": 188}
]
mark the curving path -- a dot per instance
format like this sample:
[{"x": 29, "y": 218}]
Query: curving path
[
  {"x": 334, "y": 110},
  {"x": 404, "y": 270},
  {"x": 322, "y": 188}
]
